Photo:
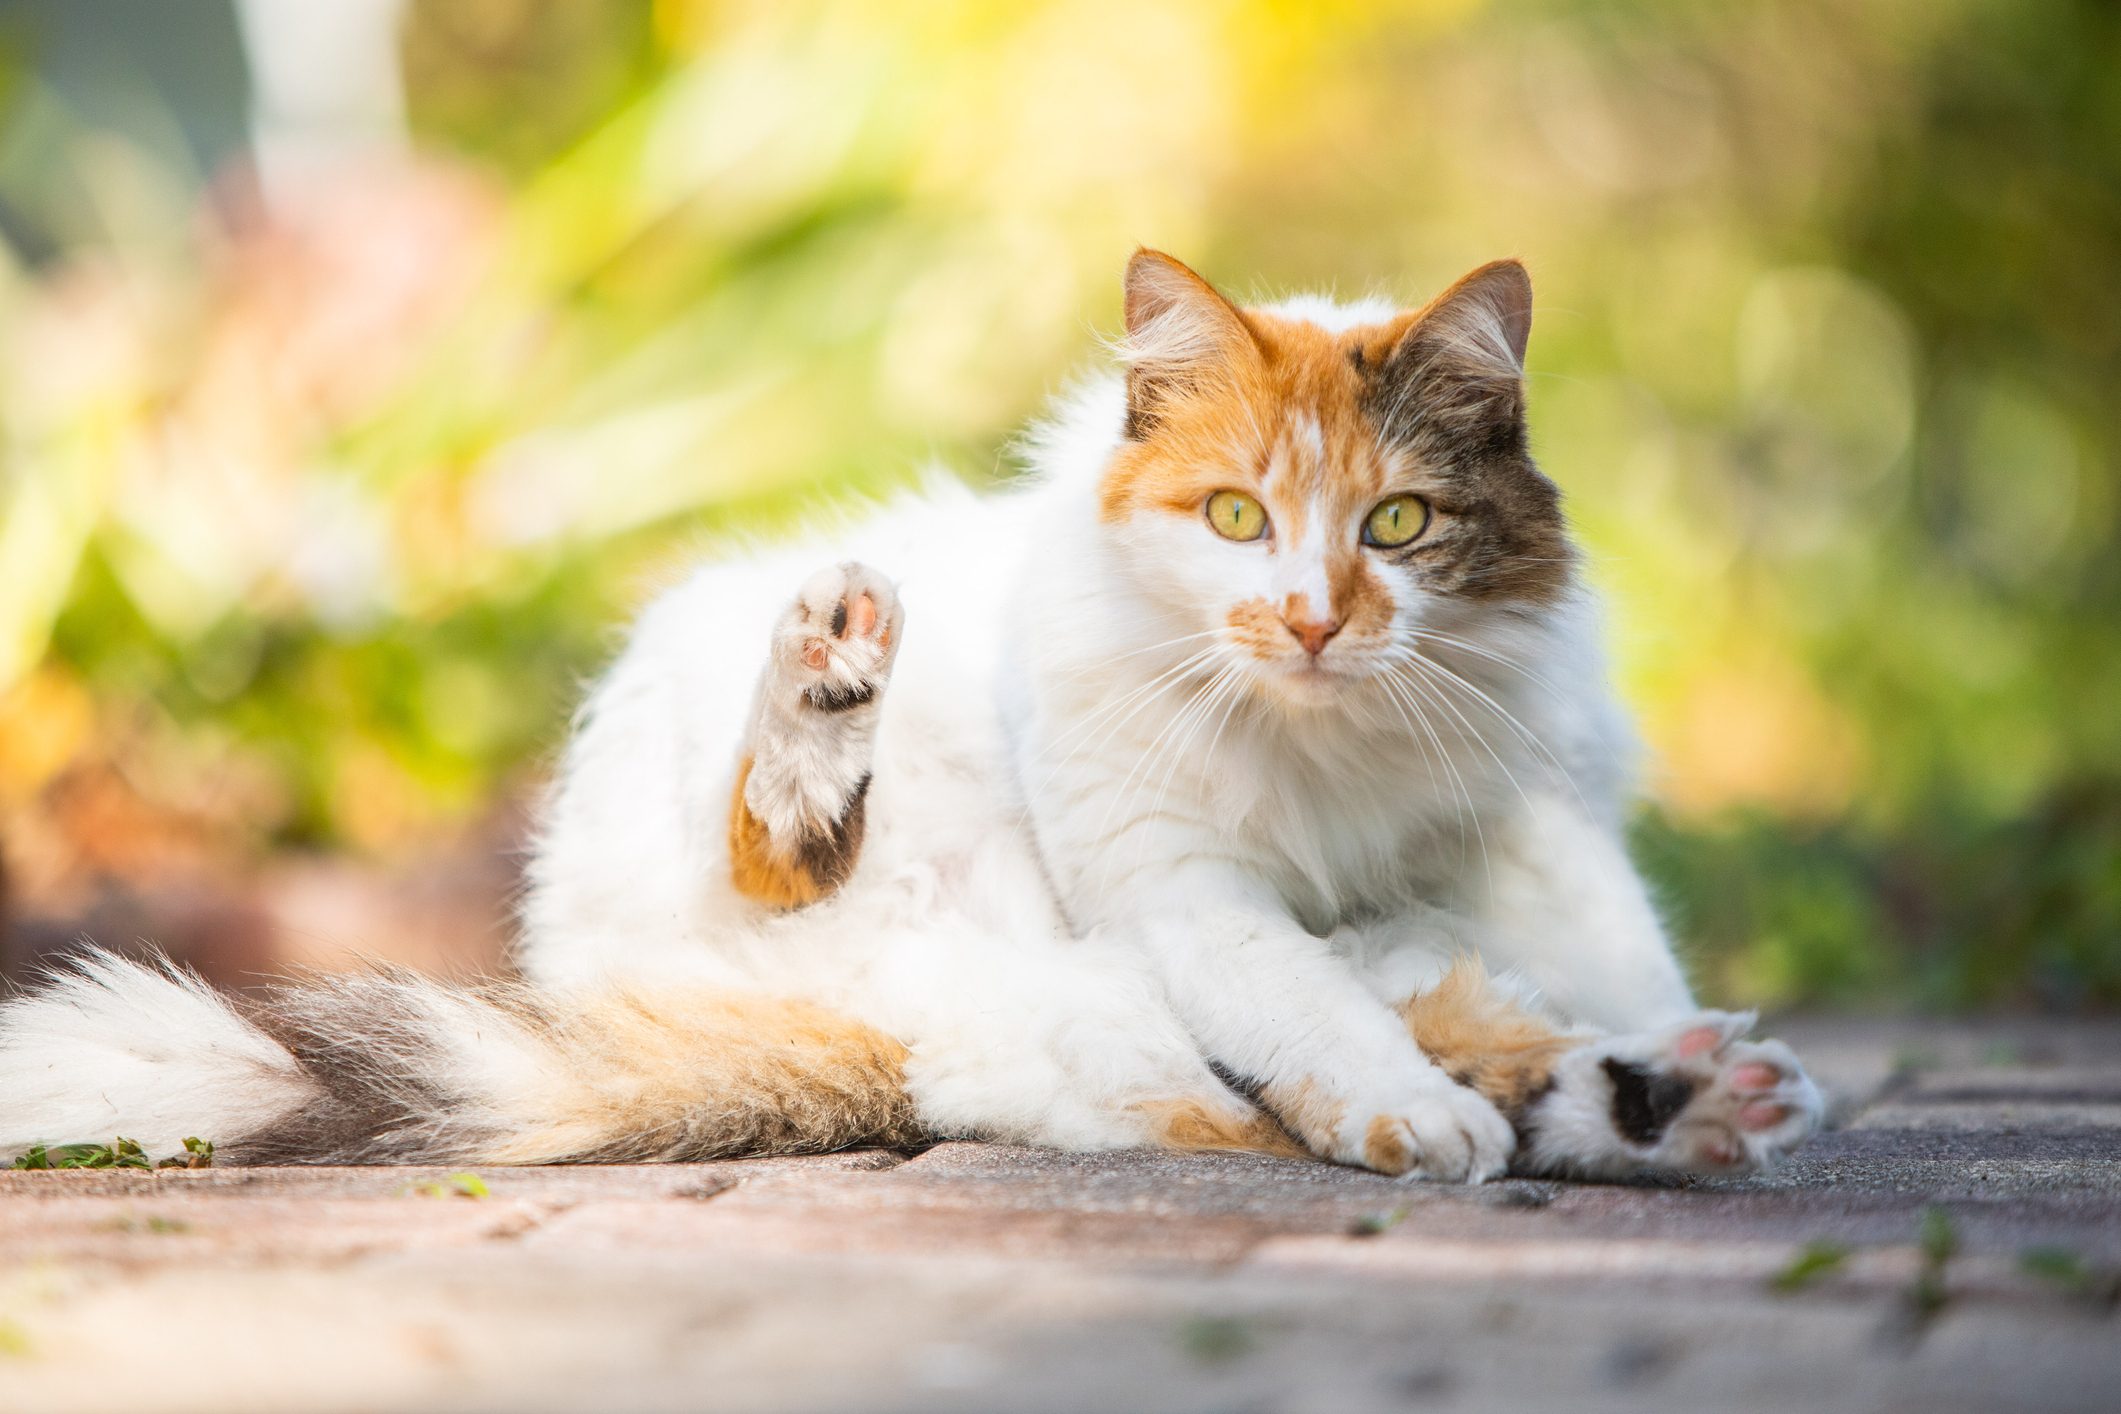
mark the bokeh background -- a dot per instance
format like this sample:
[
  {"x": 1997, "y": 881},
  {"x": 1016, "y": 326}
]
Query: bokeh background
[{"x": 363, "y": 363}]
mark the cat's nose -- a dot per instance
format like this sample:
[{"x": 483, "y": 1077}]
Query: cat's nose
[{"x": 1311, "y": 633}]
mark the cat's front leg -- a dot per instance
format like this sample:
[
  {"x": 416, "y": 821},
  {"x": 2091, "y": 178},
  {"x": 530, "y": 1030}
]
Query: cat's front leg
[
  {"x": 1562, "y": 906},
  {"x": 1273, "y": 1004}
]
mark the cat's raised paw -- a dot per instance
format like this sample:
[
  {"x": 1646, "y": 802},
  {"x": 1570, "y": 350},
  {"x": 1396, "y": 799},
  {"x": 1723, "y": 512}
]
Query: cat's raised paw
[{"x": 836, "y": 643}]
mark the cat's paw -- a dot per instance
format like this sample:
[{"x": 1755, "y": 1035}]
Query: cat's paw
[
  {"x": 1749, "y": 1103},
  {"x": 1433, "y": 1129},
  {"x": 798, "y": 815},
  {"x": 834, "y": 646},
  {"x": 1695, "y": 1098}
]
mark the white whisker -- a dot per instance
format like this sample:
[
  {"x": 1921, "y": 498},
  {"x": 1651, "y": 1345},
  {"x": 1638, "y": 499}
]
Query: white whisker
[
  {"x": 1471, "y": 810},
  {"x": 1508, "y": 719}
]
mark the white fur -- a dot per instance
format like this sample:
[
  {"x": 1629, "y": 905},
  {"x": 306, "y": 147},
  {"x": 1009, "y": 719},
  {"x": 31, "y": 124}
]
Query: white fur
[
  {"x": 107, "y": 1048},
  {"x": 1088, "y": 864}
]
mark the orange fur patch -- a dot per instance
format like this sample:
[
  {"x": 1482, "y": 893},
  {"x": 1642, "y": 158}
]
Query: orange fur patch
[
  {"x": 704, "y": 1075},
  {"x": 1384, "y": 1148},
  {"x": 788, "y": 874},
  {"x": 1308, "y": 1112},
  {"x": 1191, "y": 1126},
  {"x": 1359, "y": 595},
  {"x": 1249, "y": 428},
  {"x": 1485, "y": 1040},
  {"x": 1257, "y": 627}
]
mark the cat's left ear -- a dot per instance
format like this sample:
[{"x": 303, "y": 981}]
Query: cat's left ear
[
  {"x": 1463, "y": 354},
  {"x": 1488, "y": 315}
]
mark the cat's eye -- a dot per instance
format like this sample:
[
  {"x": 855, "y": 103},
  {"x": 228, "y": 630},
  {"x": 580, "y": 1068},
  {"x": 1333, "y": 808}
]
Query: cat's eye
[
  {"x": 1236, "y": 516},
  {"x": 1396, "y": 522}
]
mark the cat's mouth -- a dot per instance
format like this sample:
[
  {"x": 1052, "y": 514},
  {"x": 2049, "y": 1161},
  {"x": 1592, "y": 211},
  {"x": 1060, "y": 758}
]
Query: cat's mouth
[{"x": 1313, "y": 680}]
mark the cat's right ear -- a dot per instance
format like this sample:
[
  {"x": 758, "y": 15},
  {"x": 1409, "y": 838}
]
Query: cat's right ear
[{"x": 1181, "y": 332}]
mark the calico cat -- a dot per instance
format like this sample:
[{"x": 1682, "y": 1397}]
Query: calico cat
[{"x": 1246, "y": 779}]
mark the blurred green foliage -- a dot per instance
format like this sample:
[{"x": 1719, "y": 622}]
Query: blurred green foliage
[{"x": 317, "y": 511}]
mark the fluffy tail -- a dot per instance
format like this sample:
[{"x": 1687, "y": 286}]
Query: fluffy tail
[{"x": 388, "y": 1067}]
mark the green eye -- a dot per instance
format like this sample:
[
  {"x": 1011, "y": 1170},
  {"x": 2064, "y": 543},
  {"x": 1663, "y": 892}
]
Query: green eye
[
  {"x": 1236, "y": 516},
  {"x": 1396, "y": 522}
]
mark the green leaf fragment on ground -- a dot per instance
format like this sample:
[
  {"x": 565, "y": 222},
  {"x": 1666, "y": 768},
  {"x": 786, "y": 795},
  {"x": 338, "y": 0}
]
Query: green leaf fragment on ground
[
  {"x": 120, "y": 1153},
  {"x": 2069, "y": 1273},
  {"x": 198, "y": 1154},
  {"x": 1813, "y": 1261},
  {"x": 1215, "y": 1340},
  {"x": 2055, "y": 1264},
  {"x": 456, "y": 1185}
]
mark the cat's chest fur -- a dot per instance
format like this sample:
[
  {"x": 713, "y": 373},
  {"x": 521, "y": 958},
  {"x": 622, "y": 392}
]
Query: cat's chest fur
[
  {"x": 1352, "y": 828},
  {"x": 1341, "y": 824}
]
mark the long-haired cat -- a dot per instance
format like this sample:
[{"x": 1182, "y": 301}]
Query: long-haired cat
[{"x": 1246, "y": 779}]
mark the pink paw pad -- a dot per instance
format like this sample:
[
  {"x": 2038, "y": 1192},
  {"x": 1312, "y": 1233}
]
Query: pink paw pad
[
  {"x": 1762, "y": 1114},
  {"x": 1698, "y": 1041},
  {"x": 861, "y": 616},
  {"x": 1755, "y": 1076}
]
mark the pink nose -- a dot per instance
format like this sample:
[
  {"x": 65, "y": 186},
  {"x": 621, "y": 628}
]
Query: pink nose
[{"x": 1311, "y": 633}]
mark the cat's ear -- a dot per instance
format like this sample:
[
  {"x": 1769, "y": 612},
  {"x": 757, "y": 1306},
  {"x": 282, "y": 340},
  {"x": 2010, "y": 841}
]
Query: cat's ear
[
  {"x": 1462, "y": 357},
  {"x": 1181, "y": 333},
  {"x": 1488, "y": 313}
]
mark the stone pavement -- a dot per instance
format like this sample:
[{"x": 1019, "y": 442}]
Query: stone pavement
[{"x": 974, "y": 1277}]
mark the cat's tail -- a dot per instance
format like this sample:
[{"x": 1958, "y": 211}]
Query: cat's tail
[{"x": 388, "y": 1067}]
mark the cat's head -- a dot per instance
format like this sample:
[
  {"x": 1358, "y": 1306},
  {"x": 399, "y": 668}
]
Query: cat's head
[{"x": 1311, "y": 494}]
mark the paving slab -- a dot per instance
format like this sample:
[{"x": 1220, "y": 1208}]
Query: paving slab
[{"x": 989, "y": 1277}]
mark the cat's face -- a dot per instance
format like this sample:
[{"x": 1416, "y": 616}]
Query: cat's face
[{"x": 1313, "y": 500}]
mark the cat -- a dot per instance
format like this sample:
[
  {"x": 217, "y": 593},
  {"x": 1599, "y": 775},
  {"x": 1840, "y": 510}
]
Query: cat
[{"x": 1245, "y": 779}]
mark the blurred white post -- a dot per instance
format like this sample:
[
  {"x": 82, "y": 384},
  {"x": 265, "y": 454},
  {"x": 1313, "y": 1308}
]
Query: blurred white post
[{"x": 326, "y": 86}]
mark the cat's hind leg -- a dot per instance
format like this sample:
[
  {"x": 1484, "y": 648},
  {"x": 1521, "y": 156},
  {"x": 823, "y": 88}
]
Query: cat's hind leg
[
  {"x": 1691, "y": 1098},
  {"x": 796, "y": 819}
]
